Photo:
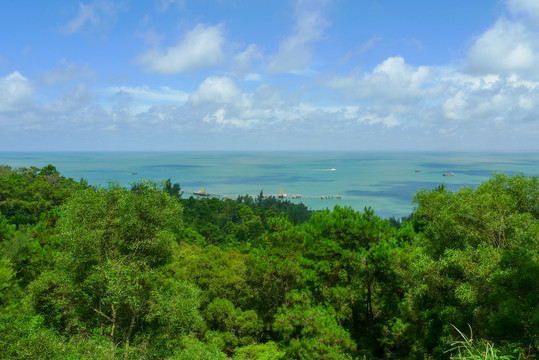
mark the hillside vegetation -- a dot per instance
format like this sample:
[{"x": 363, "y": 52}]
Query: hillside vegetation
[{"x": 142, "y": 273}]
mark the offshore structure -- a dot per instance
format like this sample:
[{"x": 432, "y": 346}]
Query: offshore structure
[{"x": 281, "y": 195}]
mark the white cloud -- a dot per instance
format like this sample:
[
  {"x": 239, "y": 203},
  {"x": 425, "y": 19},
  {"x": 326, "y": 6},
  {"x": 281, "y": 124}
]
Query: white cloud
[
  {"x": 394, "y": 71},
  {"x": 388, "y": 121},
  {"x": 71, "y": 101},
  {"x": 65, "y": 72},
  {"x": 507, "y": 47},
  {"x": 495, "y": 89},
  {"x": 511, "y": 45},
  {"x": 219, "y": 90},
  {"x": 91, "y": 16},
  {"x": 390, "y": 80},
  {"x": 85, "y": 15},
  {"x": 72, "y": 112},
  {"x": 498, "y": 87},
  {"x": 16, "y": 92},
  {"x": 295, "y": 51},
  {"x": 221, "y": 105},
  {"x": 528, "y": 8},
  {"x": 134, "y": 100},
  {"x": 252, "y": 77},
  {"x": 398, "y": 94},
  {"x": 219, "y": 108},
  {"x": 220, "y": 117},
  {"x": 492, "y": 101},
  {"x": 147, "y": 95},
  {"x": 200, "y": 47},
  {"x": 243, "y": 62}
]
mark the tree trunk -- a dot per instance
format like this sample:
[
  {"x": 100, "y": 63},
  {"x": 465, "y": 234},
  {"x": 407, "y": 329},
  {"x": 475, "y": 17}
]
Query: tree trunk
[
  {"x": 369, "y": 298},
  {"x": 113, "y": 327},
  {"x": 129, "y": 332}
]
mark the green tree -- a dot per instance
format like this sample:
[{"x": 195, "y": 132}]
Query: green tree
[
  {"x": 309, "y": 331},
  {"x": 7, "y": 275},
  {"x": 223, "y": 316},
  {"x": 108, "y": 274},
  {"x": 194, "y": 349},
  {"x": 27, "y": 193},
  {"x": 272, "y": 268},
  {"x": 473, "y": 263},
  {"x": 346, "y": 265},
  {"x": 266, "y": 351},
  {"x": 26, "y": 337},
  {"x": 218, "y": 273},
  {"x": 172, "y": 190}
]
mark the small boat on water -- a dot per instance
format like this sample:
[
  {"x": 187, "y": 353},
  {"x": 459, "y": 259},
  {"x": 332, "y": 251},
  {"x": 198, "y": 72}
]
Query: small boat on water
[
  {"x": 450, "y": 174},
  {"x": 133, "y": 173}
]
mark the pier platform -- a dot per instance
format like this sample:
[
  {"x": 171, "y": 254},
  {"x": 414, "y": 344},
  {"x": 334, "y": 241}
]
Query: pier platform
[{"x": 281, "y": 195}]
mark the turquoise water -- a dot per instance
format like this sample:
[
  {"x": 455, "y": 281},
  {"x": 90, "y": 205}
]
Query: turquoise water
[{"x": 384, "y": 181}]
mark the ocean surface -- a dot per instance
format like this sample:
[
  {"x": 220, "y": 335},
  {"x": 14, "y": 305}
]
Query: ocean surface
[{"x": 384, "y": 181}]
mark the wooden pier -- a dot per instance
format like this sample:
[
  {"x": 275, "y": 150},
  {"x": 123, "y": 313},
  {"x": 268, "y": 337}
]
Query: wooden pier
[{"x": 281, "y": 195}]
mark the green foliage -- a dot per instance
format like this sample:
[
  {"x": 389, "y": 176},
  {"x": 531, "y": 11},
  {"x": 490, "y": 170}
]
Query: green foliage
[
  {"x": 347, "y": 265},
  {"x": 273, "y": 270},
  {"x": 27, "y": 337},
  {"x": 220, "y": 274},
  {"x": 311, "y": 331},
  {"x": 172, "y": 190},
  {"x": 172, "y": 311},
  {"x": 27, "y": 193},
  {"x": 466, "y": 348},
  {"x": 223, "y": 316},
  {"x": 266, "y": 351},
  {"x": 502, "y": 211},
  {"x": 514, "y": 315},
  {"x": 194, "y": 349},
  {"x": 91, "y": 273},
  {"x": 479, "y": 254},
  {"x": 22, "y": 250},
  {"x": 7, "y": 275},
  {"x": 114, "y": 242},
  {"x": 238, "y": 224},
  {"x": 6, "y": 230}
]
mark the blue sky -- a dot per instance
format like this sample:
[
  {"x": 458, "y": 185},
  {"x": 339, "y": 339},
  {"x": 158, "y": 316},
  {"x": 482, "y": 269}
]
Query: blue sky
[{"x": 269, "y": 75}]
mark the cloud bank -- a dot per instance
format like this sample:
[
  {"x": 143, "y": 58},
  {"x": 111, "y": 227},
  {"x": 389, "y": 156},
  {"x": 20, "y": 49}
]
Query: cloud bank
[
  {"x": 200, "y": 47},
  {"x": 241, "y": 90}
]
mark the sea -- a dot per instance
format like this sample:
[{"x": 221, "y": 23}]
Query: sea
[{"x": 383, "y": 181}]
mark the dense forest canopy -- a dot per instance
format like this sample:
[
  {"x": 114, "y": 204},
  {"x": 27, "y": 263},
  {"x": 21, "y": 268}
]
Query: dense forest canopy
[{"x": 143, "y": 273}]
